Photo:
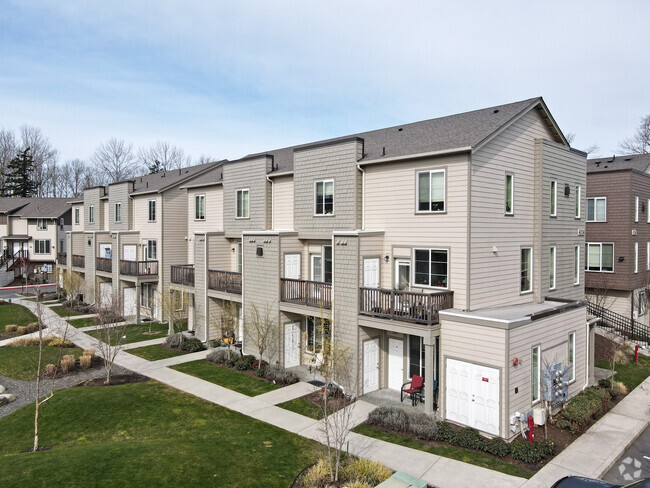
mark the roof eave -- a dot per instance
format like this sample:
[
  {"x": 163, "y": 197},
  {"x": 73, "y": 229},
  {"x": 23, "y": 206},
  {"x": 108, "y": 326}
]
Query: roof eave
[{"x": 442, "y": 152}]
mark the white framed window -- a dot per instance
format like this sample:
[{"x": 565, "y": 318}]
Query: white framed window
[
  {"x": 91, "y": 214},
  {"x": 648, "y": 207},
  {"x": 636, "y": 257},
  {"x": 327, "y": 264},
  {"x": 316, "y": 267},
  {"x": 242, "y": 204},
  {"x": 240, "y": 258},
  {"x": 324, "y": 197},
  {"x": 146, "y": 295},
  {"x": 41, "y": 224},
  {"x": 510, "y": 194},
  {"x": 552, "y": 262},
  {"x": 535, "y": 373},
  {"x": 642, "y": 302},
  {"x": 431, "y": 191},
  {"x": 572, "y": 357},
  {"x": 199, "y": 207},
  {"x": 118, "y": 212},
  {"x": 578, "y": 198},
  {"x": 152, "y": 211},
  {"x": 636, "y": 209},
  {"x": 42, "y": 246},
  {"x": 151, "y": 250},
  {"x": 647, "y": 256},
  {"x": 599, "y": 256},
  {"x": 597, "y": 209},
  {"x": 76, "y": 216},
  {"x": 431, "y": 267},
  {"x": 416, "y": 356},
  {"x": 179, "y": 300},
  {"x": 576, "y": 265},
  {"x": 553, "y": 198},
  {"x": 61, "y": 222},
  {"x": 316, "y": 328},
  {"x": 526, "y": 270}
]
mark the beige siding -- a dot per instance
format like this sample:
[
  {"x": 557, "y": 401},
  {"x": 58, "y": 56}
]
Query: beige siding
[
  {"x": 80, "y": 225},
  {"x": 390, "y": 197},
  {"x": 213, "y": 221},
  {"x": 283, "y": 203},
  {"x": 92, "y": 198},
  {"x": 220, "y": 253},
  {"x": 119, "y": 193},
  {"x": 50, "y": 234},
  {"x": 172, "y": 248},
  {"x": 106, "y": 219},
  {"x": 20, "y": 226},
  {"x": 251, "y": 175},
  {"x": 152, "y": 230}
]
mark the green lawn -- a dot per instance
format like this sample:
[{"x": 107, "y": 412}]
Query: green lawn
[
  {"x": 154, "y": 353},
  {"x": 15, "y": 314},
  {"x": 81, "y": 323},
  {"x": 226, "y": 377},
  {"x": 21, "y": 362},
  {"x": 632, "y": 374},
  {"x": 452, "y": 452},
  {"x": 62, "y": 311},
  {"x": 303, "y": 407},
  {"x": 137, "y": 333},
  {"x": 144, "y": 435}
]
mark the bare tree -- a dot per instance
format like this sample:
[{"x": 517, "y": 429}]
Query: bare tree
[
  {"x": 43, "y": 154},
  {"x": 639, "y": 143},
  {"x": 111, "y": 336},
  {"x": 204, "y": 158},
  {"x": 163, "y": 157},
  {"x": 115, "y": 159},
  {"x": 72, "y": 283},
  {"x": 593, "y": 148},
  {"x": 174, "y": 306},
  {"x": 262, "y": 331}
]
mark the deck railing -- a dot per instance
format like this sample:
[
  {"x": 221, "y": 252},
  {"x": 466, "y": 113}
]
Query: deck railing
[
  {"x": 183, "y": 274},
  {"x": 405, "y": 306},
  {"x": 78, "y": 261},
  {"x": 104, "y": 264},
  {"x": 227, "y": 281},
  {"x": 311, "y": 293},
  {"x": 138, "y": 268},
  {"x": 62, "y": 258}
]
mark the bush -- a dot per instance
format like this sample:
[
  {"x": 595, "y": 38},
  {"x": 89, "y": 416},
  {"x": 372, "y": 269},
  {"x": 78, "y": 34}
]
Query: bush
[
  {"x": 588, "y": 404},
  {"x": 67, "y": 363},
  {"x": 470, "y": 438},
  {"x": 619, "y": 387},
  {"x": 365, "y": 471},
  {"x": 218, "y": 356},
  {"x": 259, "y": 364},
  {"x": 605, "y": 383},
  {"x": 231, "y": 362},
  {"x": 50, "y": 370},
  {"x": 261, "y": 372},
  {"x": 89, "y": 309},
  {"x": 612, "y": 394},
  {"x": 33, "y": 327},
  {"x": 11, "y": 328},
  {"x": 446, "y": 433},
  {"x": 497, "y": 446},
  {"x": 566, "y": 425},
  {"x": 392, "y": 418},
  {"x": 318, "y": 475},
  {"x": 85, "y": 361},
  {"x": 22, "y": 330},
  {"x": 423, "y": 426},
  {"x": 192, "y": 344},
  {"x": 109, "y": 317},
  {"x": 174, "y": 340},
  {"x": 55, "y": 342},
  {"x": 278, "y": 374},
  {"x": 89, "y": 352}
]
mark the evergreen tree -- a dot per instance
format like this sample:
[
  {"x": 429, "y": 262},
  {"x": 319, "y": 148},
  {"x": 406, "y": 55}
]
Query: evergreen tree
[
  {"x": 19, "y": 181},
  {"x": 155, "y": 167}
]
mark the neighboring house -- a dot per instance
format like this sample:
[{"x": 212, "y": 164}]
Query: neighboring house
[
  {"x": 32, "y": 231},
  {"x": 448, "y": 248},
  {"x": 617, "y": 249}
]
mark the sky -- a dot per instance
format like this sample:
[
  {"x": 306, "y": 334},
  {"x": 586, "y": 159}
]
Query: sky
[{"x": 226, "y": 79}]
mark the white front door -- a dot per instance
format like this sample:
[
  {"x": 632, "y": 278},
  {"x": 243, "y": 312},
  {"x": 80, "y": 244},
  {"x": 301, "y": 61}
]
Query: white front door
[
  {"x": 105, "y": 295},
  {"x": 371, "y": 273},
  {"x": 129, "y": 253},
  {"x": 395, "y": 363},
  {"x": 403, "y": 274},
  {"x": 472, "y": 395},
  {"x": 129, "y": 301},
  {"x": 291, "y": 345},
  {"x": 370, "y": 365},
  {"x": 292, "y": 266}
]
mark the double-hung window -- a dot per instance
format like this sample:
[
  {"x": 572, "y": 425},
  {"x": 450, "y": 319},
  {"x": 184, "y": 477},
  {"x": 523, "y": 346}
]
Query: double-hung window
[
  {"x": 76, "y": 216},
  {"x": 199, "y": 207},
  {"x": 324, "y": 197},
  {"x": 641, "y": 301},
  {"x": 636, "y": 209},
  {"x": 151, "y": 250},
  {"x": 552, "y": 261},
  {"x": 526, "y": 269},
  {"x": 576, "y": 265},
  {"x": 152, "y": 210},
  {"x": 636, "y": 257},
  {"x": 240, "y": 259},
  {"x": 553, "y": 198},
  {"x": 118, "y": 212},
  {"x": 536, "y": 369},
  {"x": 431, "y": 191},
  {"x": 597, "y": 209},
  {"x": 317, "y": 328},
  {"x": 91, "y": 214},
  {"x": 41, "y": 224},
  {"x": 572, "y": 356},
  {"x": 431, "y": 267},
  {"x": 510, "y": 194},
  {"x": 578, "y": 197},
  {"x": 599, "y": 256},
  {"x": 648, "y": 207},
  {"x": 242, "y": 204},
  {"x": 647, "y": 256},
  {"x": 42, "y": 246},
  {"x": 416, "y": 356}
]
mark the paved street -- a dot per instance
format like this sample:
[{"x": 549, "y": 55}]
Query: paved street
[{"x": 634, "y": 463}]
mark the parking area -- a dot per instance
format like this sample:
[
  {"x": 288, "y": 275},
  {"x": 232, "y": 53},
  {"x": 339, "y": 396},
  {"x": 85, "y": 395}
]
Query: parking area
[{"x": 634, "y": 464}]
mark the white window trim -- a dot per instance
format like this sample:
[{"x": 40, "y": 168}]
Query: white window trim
[
  {"x": 39, "y": 222},
  {"x": 636, "y": 209},
  {"x": 444, "y": 191},
  {"x": 419, "y": 285},
  {"x": 315, "y": 197},
  {"x": 248, "y": 210},
  {"x": 572, "y": 360},
  {"x": 587, "y": 244},
  {"x": 512, "y": 195},
  {"x": 647, "y": 256},
  {"x": 648, "y": 208},
  {"x": 576, "y": 265},
  {"x": 240, "y": 257},
  {"x": 554, "y": 198},
  {"x": 538, "y": 387},
  {"x": 636, "y": 257},
  {"x": 312, "y": 258},
  {"x": 595, "y": 199},
  {"x": 118, "y": 205},
  {"x": 197, "y": 198},
  {"x": 579, "y": 202},
  {"x": 91, "y": 214},
  {"x": 553, "y": 266},
  {"x": 155, "y": 211},
  {"x": 77, "y": 213},
  {"x": 147, "y": 247},
  {"x": 37, "y": 244},
  {"x": 530, "y": 287}
]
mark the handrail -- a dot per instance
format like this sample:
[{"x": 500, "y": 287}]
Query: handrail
[
  {"x": 182, "y": 274},
  {"x": 227, "y": 281},
  {"x": 305, "y": 292},
  {"x": 405, "y": 306}
]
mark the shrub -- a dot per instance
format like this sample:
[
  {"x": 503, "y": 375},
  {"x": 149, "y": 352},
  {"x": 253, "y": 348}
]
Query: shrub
[
  {"x": 581, "y": 408},
  {"x": 259, "y": 364},
  {"x": 446, "y": 433},
  {"x": 67, "y": 363},
  {"x": 50, "y": 369},
  {"x": 261, "y": 372},
  {"x": 423, "y": 426},
  {"x": 358, "y": 484},
  {"x": 365, "y": 471},
  {"x": 88, "y": 309},
  {"x": 218, "y": 356},
  {"x": 89, "y": 352},
  {"x": 192, "y": 344},
  {"x": 528, "y": 452},
  {"x": 109, "y": 317},
  {"x": 174, "y": 340},
  {"x": 619, "y": 387},
  {"x": 318, "y": 475},
  {"x": 11, "y": 328},
  {"x": 85, "y": 361},
  {"x": 231, "y": 362},
  {"x": 280, "y": 375},
  {"x": 242, "y": 365},
  {"x": 52, "y": 341},
  {"x": 392, "y": 418},
  {"x": 497, "y": 446},
  {"x": 33, "y": 327},
  {"x": 22, "y": 330},
  {"x": 605, "y": 383}
]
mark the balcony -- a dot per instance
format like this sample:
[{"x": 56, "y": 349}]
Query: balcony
[
  {"x": 224, "y": 281},
  {"x": 183, "y": 274},
  {"x": 78, "y": 261},
  {"x": 104, "y": 264},
  {"x": 138, "y": 268},
  {"x": 405, "y": 306},
  {"x": 310, "y": 293},
  {"x": 62, "y": 258}
]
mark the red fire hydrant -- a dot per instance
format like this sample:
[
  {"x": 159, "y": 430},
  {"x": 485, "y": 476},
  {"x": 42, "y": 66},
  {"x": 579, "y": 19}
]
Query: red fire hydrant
[
  {"x": 636, "y": 353},
  {"x": 531, "y": 427}
]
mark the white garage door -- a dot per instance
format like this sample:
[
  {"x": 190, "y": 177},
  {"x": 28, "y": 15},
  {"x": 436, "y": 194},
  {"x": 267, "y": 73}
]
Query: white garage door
[
  {"x": 105, "y": 295},
  {"x": 129, "y": 302},
  {"x": 472, "y": 395}
]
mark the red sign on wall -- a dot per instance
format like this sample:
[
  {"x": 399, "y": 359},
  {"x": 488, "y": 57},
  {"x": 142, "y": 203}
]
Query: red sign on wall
[{"x": 487, "y": 380}]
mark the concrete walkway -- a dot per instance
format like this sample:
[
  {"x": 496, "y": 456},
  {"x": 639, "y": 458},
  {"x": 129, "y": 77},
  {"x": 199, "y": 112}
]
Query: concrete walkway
[{"x": 590, "y": 455}]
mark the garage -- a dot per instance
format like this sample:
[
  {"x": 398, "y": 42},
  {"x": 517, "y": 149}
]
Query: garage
[
  {"x": 129, "y": 302},
  {"x": 472, "y": 395}
]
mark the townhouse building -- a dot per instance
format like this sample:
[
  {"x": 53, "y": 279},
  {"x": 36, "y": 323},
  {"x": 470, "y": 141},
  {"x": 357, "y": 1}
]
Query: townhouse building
[
  {"x": 617, "y": 249},
  {"x": 448, "y": 248}
]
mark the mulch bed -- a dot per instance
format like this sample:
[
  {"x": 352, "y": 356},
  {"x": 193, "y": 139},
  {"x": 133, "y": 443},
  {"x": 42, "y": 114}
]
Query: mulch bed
[{"x": 119, "y": 379}]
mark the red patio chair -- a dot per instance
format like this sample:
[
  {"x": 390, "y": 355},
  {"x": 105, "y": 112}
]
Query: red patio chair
[{"x": 416, "y": 386}]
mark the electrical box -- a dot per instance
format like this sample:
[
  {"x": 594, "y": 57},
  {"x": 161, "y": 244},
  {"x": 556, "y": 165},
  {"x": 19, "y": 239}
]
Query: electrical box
[
  {"x": 555, "y": 383},
  {"x": 539, "y": 416}
]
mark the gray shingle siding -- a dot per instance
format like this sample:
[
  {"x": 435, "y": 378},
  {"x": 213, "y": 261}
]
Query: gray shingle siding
[{"x": 249, "y": 175}]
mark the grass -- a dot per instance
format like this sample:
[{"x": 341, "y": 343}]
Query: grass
[
  {"x": 303, "y": 407},
  {"x": 632, "y": 374},
  {"x": 15, "y": 314},
  {"x": 154, "y": 353},
  {"x": 452, "y": 452},
  {"x": 20, "y": 363},
  {"x": 136, "y": 332},
  {"x": 81, "y": 323},
  {"x": 190, "y": 442},
  {"x": 62, "y": 311},
  {"x": 226, "y": 377}
]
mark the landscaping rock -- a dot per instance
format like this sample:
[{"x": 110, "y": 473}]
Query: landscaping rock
[
  {"x": 2, "y": 389},
  {"x": 7, "y": 398}
]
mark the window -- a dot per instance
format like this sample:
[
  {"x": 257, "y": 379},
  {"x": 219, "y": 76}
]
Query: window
[
  {"x": 317, "y": 328},
  {"x": 641, "y": 301},
  {"x": 41, "y": 224},
  {"x": 526, "y": 269},
  {"x": 599, "y": 257},
  {"x": 431, "y": 191},
  {"x": 572, "y": 356},
  {"x": 91, "y": 214},
  {"x": 648, "y": 207},
  {"x": 636, "y": 257},
  {"x": 240, "y": 261},
  {"x": 324, "y": 197},
  {"x": 242, "y": 204},
  {"x": 146, "y": 295},
  {"x": 76, "y": 216},
  {"x": 596, "y": 209},
  {"x": 61, "y": 222},
  {"x": 647, "y": 256},
  {"x": 578, "y": 197},
  {"x": 431, "y": 267},
  {"x": 416, "y": 356},
  {"x": 151, "y": 251},
  {"x": 553, "y": 198},
  {"x": 152, "y": 210},
  {"x": 316, "y": 267},
  {"x": 535, "y": 373},
  {"x": 552, "y": 267},
  {"x": 199, "y": 207},
  {"x": 42, "y": 246},
  {"x": 118, "y": 212},
  {"x": 327, "y": 264},
  {"x": 61, "y": 246},
  {"x": 510, "y": 193},
  {"x": 636, "y": 209},
  {"x": 179, "y": 300},
  {"x": 576, "y": 265}
]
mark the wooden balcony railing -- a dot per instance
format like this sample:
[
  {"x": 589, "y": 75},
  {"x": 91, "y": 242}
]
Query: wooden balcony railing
[
  {"x": 311, "y": 293},
  {"x": 138, "y": 268},
  {"x": 104, "y": 264},
  {"x": 224, "y": 281},
  {"x": 62, "y": 258},
  {"x": 183, "y": 274},
  {"x": 78, "y": 261},
  {"x": 405, "y": 306}
]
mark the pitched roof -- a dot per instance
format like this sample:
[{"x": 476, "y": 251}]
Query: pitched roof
[
  {"x": 10, "y": 204},
  {"x": 635, "y": 162},
  {"x": 208, "y": 178},
  {"x": 44, "y": 208},
  {"x": 160, "y": 181}
]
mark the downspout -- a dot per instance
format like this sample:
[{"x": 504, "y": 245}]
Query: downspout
[
  {"x": 272, "y": 201},
  {"x": 363, "y": 197},
  {"x": 587, "y": 358},
  {"x": 206, "y": 304}
]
